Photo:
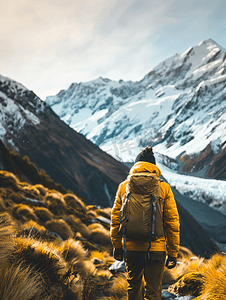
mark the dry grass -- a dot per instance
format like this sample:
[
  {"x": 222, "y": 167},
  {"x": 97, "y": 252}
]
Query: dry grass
[
  {"x": 72, "y": 250},
  {"x": 30, "y": 191},
  {"x": 32, "y": 224},
  {"x": 8, "y": 179},
  {"x": 75, "y": 202},
  {"x": 60, "y": 227},
  {"x": 191, "y": 284},
  {"x": 187, "y": 266},
  {"x": 118, "y": 290},
  {"x": 18, "y": 282},
  {"x": 2, "y": 205},
  {"x": 55, "y": 202},
  {"x": 42, "y": 257},
  {"x": 215, "y": 279},
  {"x": 99, "y": 234},
  {"x": 78, "y": 226},
  {"x": 54, "y": 270},
  {"x": 25, "y": 211},
  {"x": 43, "y": 214},
  {"x": 91, "y": 214},
  {"x": 105, "y": 212},
  {"x": 185, "y": 253},
  {"x": 6, "y": 237},
  {"x": 41, "y": 188}
]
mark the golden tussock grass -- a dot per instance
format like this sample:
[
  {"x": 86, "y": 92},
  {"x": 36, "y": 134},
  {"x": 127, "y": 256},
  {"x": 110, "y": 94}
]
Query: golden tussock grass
[
  {"x": 8, "y": 179},
  {"x": 185, "y": 253},
  {"x": 118, "y": 289},
  {"x": 54, "y": 199},
  {"x": 75, "y": 202},
  {"x": 25, "y": 211},
  {"x": 2, "y": 205},
  {"x": 215, "y": 279},
  {"x": 191, "y": 284},
  {"x": 98, "y": 255},
  {"x": 72, "y": 250},
  {"x": 84, "y": 268},
  {"x": 33, "y": 224},
  {"x": 18, "y": 282},
  {"x": 43, "y": 213},
  {"x": 7, "y": 231},
  {"x": 42, "y": 257},
  {"x": 30, "y": 191},
  {"x": 77, "y": 226},
  {"x": 187, "y": 266},
  {"x": 91, "y": 214},
  {"x": 105, "y": 212},
  {"x": 99, "y": 234},
  {"x": 60, "y": 227},
  {"x": 41, "y": 188}
]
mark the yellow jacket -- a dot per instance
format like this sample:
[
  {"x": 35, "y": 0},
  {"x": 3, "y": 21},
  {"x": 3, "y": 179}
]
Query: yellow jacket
[{"x": 171, "y": 217}]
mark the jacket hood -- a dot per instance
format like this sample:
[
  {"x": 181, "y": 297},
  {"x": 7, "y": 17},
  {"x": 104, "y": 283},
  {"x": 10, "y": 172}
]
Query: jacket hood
[{"x": 143, "y": 166}]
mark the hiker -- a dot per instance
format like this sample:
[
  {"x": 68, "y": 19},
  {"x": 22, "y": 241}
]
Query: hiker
[{"x": 145, "y": 258}]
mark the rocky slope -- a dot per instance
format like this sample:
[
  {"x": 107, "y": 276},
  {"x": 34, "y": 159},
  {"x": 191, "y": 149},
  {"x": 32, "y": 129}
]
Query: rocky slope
[
  {"x": 29, "y": 125},
  {"x": 179, "y": 107}
]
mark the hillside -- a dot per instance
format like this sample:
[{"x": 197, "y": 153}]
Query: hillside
[
  {"x": 54, "y": 247},
  {"x": 29, "y": 126}
]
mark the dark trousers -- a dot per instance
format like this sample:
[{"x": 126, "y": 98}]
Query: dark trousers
[{"x": 145, "y": 277}]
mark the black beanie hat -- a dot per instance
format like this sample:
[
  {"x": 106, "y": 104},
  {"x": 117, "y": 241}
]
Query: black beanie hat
[{"x": 146, "y": 155}]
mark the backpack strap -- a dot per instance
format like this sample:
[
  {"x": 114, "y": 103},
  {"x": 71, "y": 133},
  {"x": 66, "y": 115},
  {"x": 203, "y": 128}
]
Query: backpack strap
[
  {"x": 152, "y": 229},
  {"x": 124, "y": 221}
]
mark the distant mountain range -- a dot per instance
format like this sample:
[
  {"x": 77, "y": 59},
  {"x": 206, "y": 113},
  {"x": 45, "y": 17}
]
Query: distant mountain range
[
  {"x": 28, "y": 125},
  {"x": 179, "y": 107}
]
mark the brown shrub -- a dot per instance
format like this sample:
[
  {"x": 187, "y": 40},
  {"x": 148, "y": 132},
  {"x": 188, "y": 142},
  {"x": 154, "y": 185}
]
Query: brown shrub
[
  {"x": 187, "y": 266},
  {"x": 43, "y": 213},
  {"x": 105, "y": 212},
  {"x": 78, "y": 226},
  {"x": 191, "y": 284},
  {"x": 91, "y": 214},
  {"x": 118, "y": 290},
  {"x": 75, "y": 202},
  {"x": 60, "y": 227},
  {"x": 30, "y": 191},
  {"x": 2, "y": 205},
  {"x": 84, "y": 268},
  {"x": 33, "y": 224},
  {"x": 41, "y": 188},
  {"x": 72, "y": 250},
  {"x": 8, "y": 179},
  {"x": 99, "y": 234},
  {"x": 25, "y": 211},
  {"x": 55, "y": 202}
]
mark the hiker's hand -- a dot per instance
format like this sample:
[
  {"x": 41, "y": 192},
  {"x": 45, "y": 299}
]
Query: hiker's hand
[
  {"x": 118, "y": 253},
  {"x": 171, "y": 262}
]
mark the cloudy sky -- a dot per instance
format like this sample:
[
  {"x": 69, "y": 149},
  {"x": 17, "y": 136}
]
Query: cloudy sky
[{"x": 48, "y": 44}]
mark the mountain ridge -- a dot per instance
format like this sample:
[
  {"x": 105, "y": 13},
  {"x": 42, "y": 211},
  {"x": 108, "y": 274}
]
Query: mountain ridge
[
  {"x": 179, "y": 107},
  {"x": 29, "y": 125}
]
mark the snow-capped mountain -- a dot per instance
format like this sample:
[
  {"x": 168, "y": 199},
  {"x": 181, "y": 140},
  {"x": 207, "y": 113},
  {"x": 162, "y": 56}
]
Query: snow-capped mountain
[
  {"x": 179, "y": 107},
  {"x": 28, "y": 125}
]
